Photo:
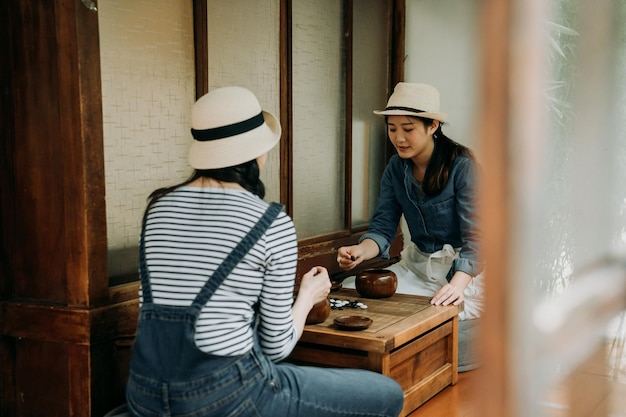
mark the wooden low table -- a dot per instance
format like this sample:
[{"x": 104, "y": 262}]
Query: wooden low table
[{"x": 410, "y": 340}]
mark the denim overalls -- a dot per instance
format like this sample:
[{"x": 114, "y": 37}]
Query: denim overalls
[{"x": 170, "y": 376}]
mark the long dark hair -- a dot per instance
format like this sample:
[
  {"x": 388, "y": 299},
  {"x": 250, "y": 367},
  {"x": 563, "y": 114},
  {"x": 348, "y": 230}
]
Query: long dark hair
[
  {"x": 246, "y": 175},
  {"x": 445, "y": 152}
]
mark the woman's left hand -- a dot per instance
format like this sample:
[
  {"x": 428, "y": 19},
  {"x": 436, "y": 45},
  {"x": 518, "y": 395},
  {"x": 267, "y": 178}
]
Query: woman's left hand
[
  {"x": 452, "y": 293},
  {"x": 448, "y": 294}
]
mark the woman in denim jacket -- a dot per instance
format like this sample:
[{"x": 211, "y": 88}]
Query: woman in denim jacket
[{"x": 431, "y": 182}]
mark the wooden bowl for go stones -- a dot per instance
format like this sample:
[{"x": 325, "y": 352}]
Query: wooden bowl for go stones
[
  {"x": 376, "y": 283},
  {"x": 319, "y": 313}
]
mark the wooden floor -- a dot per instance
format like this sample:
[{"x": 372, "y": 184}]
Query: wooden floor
[
  {"x": 460, "y": 400},
  {"x": 454, "y": 401}
]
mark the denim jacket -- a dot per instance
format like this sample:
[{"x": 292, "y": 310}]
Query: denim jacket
[{"x": 449, "y": 217}]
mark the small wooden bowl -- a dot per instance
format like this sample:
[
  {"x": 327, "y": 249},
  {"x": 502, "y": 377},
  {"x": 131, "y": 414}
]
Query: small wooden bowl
[
  {"x": 376, "y": 283},
  {"x": 319, "y": 313},
  {"x": 353, "y": 322}
]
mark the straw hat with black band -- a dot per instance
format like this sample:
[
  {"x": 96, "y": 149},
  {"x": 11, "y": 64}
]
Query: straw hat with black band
[
  {"x": 229, "y": 128},
  {"x": 414, "y": 99}
]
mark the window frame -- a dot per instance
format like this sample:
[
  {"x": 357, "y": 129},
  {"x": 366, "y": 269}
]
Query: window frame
[{"x": 320, "y": 250}]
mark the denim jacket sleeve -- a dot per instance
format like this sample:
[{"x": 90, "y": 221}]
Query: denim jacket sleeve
[
  {"x": 465, "y": 179},
  {"x": 384, "y": 223}
]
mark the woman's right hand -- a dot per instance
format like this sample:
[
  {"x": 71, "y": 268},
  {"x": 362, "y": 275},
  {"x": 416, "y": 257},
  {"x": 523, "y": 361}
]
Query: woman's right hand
[
  {"x": 315, "y": 285},
  {"x": 348, "y": 257}
]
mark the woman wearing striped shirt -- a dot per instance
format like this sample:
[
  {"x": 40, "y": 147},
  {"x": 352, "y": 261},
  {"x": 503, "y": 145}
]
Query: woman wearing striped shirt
[{"x": 217, "y": 269}]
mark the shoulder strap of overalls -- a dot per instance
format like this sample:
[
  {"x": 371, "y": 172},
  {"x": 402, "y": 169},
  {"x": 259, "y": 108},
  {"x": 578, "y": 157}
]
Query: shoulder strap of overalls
[
  {"x": 146, "y": 291},
  {"x": 231, "y": 261},
  {"x": 225, "y": 267}
]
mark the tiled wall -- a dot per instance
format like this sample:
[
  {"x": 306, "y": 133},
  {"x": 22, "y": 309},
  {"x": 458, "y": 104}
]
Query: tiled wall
[
  {"x": 319, "y": 117},
  {"x": 244, "y": 50},
  {"x": 148, "y": 88}
]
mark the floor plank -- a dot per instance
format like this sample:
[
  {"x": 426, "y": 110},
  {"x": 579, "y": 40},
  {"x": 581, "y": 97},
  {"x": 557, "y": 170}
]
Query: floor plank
[
  {"x": 454, "y": 401},
  {"x": 460, "y": 400}
]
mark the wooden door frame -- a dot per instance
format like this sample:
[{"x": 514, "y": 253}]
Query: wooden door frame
[
  {"x": 322, "y": 250},
  {"x": 57, "y": 334},
  {"x": 510, "y": 28},
  {"x": 495, "y": 212}
]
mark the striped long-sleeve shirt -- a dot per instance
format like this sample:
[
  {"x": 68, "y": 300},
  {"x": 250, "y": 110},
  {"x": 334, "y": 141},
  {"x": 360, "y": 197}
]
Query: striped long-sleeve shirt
[{"x": 189, "y": 232}]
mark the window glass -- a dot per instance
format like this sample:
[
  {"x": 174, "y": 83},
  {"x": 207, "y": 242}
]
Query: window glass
[
  {"x": 318, "y": 117},
  {"x": 148, "y": 88},
  {"x": 369, "y": 92}
]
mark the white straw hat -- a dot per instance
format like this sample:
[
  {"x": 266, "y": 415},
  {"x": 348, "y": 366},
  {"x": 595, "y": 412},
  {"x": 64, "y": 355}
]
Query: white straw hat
[
  {"x": 413, "y": 99},
  {"x": 229, "y": 128}
]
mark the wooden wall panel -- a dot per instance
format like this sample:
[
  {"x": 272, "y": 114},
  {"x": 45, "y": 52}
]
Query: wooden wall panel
[
  {"x": 54, "y": 175},
  {"x": 8, "y": 397},
  {"x": 41, "y": 378},
  {"x": 7, "y": 149},
  {"x": 35, "y": 216},
  {"x": 59, "y": 321},
  {"x": 84, "y": 206}
]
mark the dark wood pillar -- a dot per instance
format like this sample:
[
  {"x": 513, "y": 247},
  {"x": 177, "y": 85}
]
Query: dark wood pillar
[{"x": 58, "y": 319}]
